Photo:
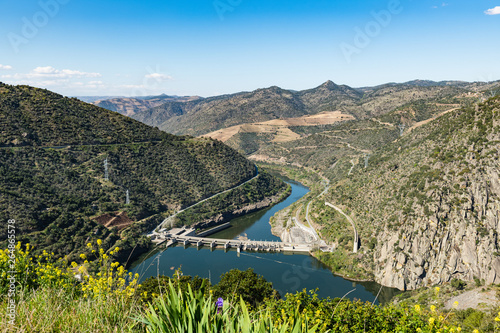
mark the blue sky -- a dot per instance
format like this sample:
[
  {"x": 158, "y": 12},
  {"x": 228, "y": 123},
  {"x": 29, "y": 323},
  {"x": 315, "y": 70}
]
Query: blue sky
[{"x": 212, "y": 47}]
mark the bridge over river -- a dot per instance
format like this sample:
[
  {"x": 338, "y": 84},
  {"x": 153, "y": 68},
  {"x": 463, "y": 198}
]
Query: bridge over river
[{"x": 188, "y": 237}]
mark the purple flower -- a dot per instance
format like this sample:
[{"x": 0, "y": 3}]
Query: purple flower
[{"x": 219, "y": 303}]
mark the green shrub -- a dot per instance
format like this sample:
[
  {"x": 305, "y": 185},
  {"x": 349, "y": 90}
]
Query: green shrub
[{"x": 458, "y": 284}]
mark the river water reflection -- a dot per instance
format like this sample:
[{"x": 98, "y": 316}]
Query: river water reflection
[{"x": 288, "y": 273}]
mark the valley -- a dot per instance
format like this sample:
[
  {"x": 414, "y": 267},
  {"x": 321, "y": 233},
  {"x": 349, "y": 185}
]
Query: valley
[
  {"x": 399, "y": 199},
  {"x": 363, "y": 150},
  {"x": 235, "y": 166}
]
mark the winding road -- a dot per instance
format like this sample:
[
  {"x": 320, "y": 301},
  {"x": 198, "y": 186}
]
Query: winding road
[
  {"x": 162, "y": 225},
  {"x": 311, "y": 230},
  {"x": 356, "y": 239}
]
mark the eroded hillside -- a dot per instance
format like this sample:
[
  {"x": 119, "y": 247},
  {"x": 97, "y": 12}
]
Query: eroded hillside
[{"x": 427, "y": 206}]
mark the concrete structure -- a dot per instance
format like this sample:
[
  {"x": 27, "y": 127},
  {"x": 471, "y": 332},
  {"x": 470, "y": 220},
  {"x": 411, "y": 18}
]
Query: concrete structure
[{"x": 186, "y": 237}]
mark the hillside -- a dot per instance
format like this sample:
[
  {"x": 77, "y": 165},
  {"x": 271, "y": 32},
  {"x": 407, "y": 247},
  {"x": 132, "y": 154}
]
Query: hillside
[
  {"x": 249, "y": 138},
  {"x": 52, "y": 174},
  {"x": 427, "y": 205},
  {"x": 333, "y": 148},
  {"x": 38, "y": 117},
  {"x": 210, "y": 114},
  {"x": 207, "y": 115}
]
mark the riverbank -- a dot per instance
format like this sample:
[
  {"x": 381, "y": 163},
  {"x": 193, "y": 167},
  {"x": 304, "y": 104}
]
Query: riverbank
[
  {"x": 288, "y": 273},
  {"x": 283, "y": 226},
  {"x": 227, "y": 216},
  {"x": 261, "y": 192},
  {"x": 286, "y": 225}
]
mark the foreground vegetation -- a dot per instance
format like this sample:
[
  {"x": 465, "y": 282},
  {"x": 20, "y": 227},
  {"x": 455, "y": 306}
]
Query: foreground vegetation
[{"x": 49, "y": 297}]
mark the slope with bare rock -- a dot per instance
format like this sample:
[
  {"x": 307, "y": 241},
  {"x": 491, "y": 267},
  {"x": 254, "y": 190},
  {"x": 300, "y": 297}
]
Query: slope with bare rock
[{"x": 427, "y": 204}]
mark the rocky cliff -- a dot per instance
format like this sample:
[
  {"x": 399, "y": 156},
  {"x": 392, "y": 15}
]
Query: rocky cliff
[
  {"x": 427, "y": 206},
  {"x": 453, "y": 242}
]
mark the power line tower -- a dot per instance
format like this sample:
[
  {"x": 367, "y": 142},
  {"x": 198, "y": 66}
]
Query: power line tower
[
  {"x": 106, "y": 171},
  {"x": 127, "y": 200},
  {"x": 401, "y": 129},
  {"x": 367, "y": 157}
]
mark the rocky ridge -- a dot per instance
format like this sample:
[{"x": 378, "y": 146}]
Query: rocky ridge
[{"x": 431, "y": 200}]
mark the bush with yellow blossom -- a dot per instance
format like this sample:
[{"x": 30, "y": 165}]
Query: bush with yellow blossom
[
  {"x": 99, "y": 295},
  {"x": 43, "y": 271},
  {"x": 32, "y": 272},
  {"x": 110, "y": 277}
]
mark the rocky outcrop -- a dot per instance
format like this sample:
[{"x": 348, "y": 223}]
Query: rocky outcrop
[
  {"x": 449, "y": 244},
  {"x": 435, "y": 216}
]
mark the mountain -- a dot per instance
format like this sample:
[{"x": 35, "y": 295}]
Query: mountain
[
  {"x": 37, "y": 117},
  {"x": 210, "y": 114},
  {"x": 394, "y": 104},
  {"x": 207, "y": 115},
  {"x": 129, "y": 106},
  {"x": 328, "y": 97},
  {"x": 425, "y": 206},
  {"x": 92, "y": 99},
  {"x": 53, "y": 180}
]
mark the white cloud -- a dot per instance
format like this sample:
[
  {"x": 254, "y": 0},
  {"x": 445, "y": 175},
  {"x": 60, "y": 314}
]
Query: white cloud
[
  {"x": 60, "y": 80},
  {"x": 493, "y": 11},
  {"x": 158, "y": 77},
  {"x": 7, "y": 67},
  {"x": 75, "y": 82},
  {"x": 50, "y": 71},
  {"x": 44, "y": 70}
]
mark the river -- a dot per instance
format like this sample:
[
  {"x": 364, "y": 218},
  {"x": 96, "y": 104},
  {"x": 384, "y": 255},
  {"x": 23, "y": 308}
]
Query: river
[{"x": 288, "y": 273}]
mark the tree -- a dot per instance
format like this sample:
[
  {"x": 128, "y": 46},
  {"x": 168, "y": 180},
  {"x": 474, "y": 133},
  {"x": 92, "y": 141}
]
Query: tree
[{"x": 251, "y": 287}]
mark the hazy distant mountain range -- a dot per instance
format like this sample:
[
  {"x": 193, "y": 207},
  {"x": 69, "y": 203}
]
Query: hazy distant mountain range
[
  {"x": 197, "y": 116},
  {"x": 129, "y": 106}
]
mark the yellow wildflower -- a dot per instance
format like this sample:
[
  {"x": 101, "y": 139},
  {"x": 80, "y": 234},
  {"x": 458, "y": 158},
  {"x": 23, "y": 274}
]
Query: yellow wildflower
[
  {"x": 433, "y": 308},
  {"x": 99, "y": 242},
  {"x": 431, "y": 320}
]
